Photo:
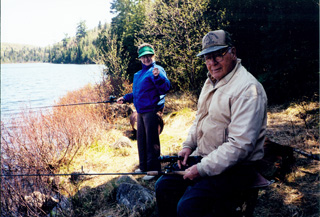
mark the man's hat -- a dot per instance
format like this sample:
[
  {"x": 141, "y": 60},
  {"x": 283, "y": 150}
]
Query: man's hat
[
  {"x": 145, "y": 51},
  {"x": 215, "y": 40}
]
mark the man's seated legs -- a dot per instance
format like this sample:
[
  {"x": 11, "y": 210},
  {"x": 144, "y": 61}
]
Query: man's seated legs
[
  {"x": 186, "y": 198},
  {"x": 169, "y": 190}
]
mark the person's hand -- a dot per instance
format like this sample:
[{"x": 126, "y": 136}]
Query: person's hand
[
  {"x": 155, "y": 72},
  {"x": 185, "y": 152},
  {"x": 120, "y": 100},
  {"x": 191, "y": 173}
]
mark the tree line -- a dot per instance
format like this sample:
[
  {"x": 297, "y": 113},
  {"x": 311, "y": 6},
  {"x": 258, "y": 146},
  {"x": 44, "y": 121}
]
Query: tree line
[
  {"x": 276, "y": 40},
  {"x": 80, "y": 49}
]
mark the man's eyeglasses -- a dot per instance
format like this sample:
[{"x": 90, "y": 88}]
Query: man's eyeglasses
[{"x": 216, "y": 56}]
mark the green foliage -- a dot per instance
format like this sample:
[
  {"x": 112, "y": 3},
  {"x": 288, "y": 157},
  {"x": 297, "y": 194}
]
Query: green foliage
[
  {"x": 66, "y": 40},
  {"x": 81, "y": 31},
  {"x": 113, "y": 55},
  {"x": 13, "y": 53},
  {"x": 111, "y": 52},
  {"x": 80, "y": 50},
  {"x": 126, "y": 25}
]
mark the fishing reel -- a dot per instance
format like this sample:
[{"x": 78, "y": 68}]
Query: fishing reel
[
  {"x": 173, "y": 165},
  {"x": 112, "y": 99}
]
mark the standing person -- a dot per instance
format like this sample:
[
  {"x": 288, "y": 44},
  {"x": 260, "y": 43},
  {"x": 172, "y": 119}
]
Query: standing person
[
  {"x": 148, "y": 95},
  {"x": 228, "y": 133}
]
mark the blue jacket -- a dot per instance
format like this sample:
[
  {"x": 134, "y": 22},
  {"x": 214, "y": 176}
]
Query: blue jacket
[{"x": 148, "y": 91}]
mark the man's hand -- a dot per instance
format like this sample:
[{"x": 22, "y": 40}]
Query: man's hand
[
  {"x": 156, "y": 72},
  {"x": 192, "y": 173},
  {"x": 185, "y": 152}
]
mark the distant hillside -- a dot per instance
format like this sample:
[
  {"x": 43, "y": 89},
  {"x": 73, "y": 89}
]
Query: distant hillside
[
  {"x": 6, "y": 46},
  {"x": 80, "y": 49},
  {"x": 19, "y": 53}
]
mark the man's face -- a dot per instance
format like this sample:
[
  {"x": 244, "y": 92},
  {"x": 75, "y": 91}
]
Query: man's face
[
  {"x": 221, "y": 62},
  {"x": 147, "y": 59}
]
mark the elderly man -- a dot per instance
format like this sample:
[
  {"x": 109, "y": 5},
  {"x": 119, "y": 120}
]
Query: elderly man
[{"x": 228, "y": 133}]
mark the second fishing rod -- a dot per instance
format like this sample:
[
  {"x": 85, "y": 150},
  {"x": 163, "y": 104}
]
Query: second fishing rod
[{"x": 112, "y": 99}]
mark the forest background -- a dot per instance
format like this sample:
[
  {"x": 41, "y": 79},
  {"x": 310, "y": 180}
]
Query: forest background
[{"x": 278, "y": 42}]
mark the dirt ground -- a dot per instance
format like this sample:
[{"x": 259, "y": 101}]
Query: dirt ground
[{"x": 296, "y": 192}]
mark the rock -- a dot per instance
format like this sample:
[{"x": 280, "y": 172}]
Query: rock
[
  {"x": 41, "y": 201},
  {"x": 127, "y": 179},
  {"x": 135, "y": 197},
  {"x": 64, "y": 206},
  {"x": 65, "y": 203},
  {"x": 122, "y": 143}
]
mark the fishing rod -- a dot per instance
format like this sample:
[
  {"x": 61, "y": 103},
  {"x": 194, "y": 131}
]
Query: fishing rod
[
  {"x": 150, "y": 173},
  {"x": 169, "y": 169},
  {"x": 112, "y": 99}
]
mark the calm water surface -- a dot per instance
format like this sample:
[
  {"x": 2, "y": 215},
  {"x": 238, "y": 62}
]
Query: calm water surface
[{"x": 41, "y": 84}]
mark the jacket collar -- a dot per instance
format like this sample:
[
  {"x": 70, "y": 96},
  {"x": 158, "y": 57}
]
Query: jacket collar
[{"x": 144, "y": 67}]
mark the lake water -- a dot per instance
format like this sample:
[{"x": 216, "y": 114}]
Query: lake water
[{"x": 41, "y": 84}]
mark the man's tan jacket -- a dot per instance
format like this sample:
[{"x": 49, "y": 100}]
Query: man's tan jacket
[{"x": 230, "y": 122}]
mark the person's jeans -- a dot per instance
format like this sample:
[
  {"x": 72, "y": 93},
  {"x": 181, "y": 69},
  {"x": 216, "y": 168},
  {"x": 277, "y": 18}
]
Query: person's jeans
[{"x": 185, "y": 198}]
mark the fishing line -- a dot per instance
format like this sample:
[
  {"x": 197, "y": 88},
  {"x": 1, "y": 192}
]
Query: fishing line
[{"x": 112, "y": 99}]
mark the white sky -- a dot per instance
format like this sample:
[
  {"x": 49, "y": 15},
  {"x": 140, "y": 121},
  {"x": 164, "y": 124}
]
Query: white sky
[{"x": 45, "y": 22}]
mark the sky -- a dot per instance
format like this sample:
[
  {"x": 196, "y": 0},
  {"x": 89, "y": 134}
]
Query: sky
[{"x": 45, "y": 22}]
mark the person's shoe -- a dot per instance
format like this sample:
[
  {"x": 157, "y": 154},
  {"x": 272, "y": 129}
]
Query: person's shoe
[
  {"x": 138, "y": 171},
  {"x": 148, "y": 178}
]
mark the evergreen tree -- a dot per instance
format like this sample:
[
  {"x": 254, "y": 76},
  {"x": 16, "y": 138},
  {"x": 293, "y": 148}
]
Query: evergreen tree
[
  {"x": 81, "y": 30},
  {"x": 66, "y": 40},
  {"x": 128, "y": 22},
  {"x": 99, "y": 25}
]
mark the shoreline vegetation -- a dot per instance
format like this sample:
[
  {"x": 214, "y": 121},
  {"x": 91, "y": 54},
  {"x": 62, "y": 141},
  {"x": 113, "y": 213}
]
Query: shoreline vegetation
[{"x": 81, "y": 139}]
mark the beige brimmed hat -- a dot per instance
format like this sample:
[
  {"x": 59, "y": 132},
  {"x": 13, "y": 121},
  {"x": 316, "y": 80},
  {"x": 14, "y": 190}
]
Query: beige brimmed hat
[{"x": 215, "y": 40}]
